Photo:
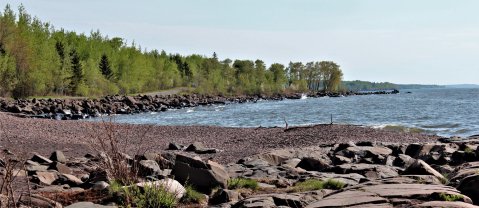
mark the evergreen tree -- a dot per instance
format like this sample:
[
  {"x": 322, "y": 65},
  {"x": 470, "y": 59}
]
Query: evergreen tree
[
  {"x": 77, "y": 71},
  {"x": 105, "y": 67}
]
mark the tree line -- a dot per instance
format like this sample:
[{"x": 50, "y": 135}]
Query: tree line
[{"x": 36, "y": 59}]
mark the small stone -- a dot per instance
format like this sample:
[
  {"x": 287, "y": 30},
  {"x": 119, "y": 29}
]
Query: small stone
[
  {"x": 100, "y": 186},
  {"x": 58, "y": 156},
  {"x": 174, "y": 146}
]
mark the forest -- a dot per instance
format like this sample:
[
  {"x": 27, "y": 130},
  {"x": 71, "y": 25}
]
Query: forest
[{"x": 36, "y": 59}]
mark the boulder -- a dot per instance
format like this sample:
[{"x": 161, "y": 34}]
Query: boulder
[
  {"x": 169, "y": 185},
  {"x": 203, "y": 176},
  {"x": 420, "y": 167}
]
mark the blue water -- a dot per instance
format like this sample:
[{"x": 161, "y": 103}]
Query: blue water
[{"x": 446, "y": 112}]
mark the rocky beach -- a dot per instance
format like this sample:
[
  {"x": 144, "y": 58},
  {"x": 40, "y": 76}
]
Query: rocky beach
[{"x": 77, "y": 163}]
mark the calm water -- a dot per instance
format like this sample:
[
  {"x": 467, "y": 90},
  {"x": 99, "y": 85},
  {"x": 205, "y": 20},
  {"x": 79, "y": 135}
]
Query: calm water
[{"x": 444, "y": 112}]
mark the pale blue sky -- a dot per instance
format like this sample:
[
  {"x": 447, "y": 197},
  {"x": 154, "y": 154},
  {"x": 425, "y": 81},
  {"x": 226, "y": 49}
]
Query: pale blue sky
[{"x": 401, "y": 41}]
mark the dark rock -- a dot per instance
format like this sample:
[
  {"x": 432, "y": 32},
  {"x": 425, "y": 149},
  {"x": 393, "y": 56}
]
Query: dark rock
[
  {"x": 460, "y": 157},
  {"x": 315, "y": 164},
  {"x": 224, "y": 196},
  {"x": 469, "y": 187}
]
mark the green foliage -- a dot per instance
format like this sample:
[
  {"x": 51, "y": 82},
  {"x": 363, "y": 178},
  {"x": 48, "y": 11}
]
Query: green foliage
[
  {"x": 450, "y": 197},
  {"x": 192, "y": 196},
  {"x": 315, "y": 184},
  {"x": 150, "y": 196},
  {"x": 236, "y": 183},
  {"x": 38, "y": 60},
  {"x": 468, "y": 150}
]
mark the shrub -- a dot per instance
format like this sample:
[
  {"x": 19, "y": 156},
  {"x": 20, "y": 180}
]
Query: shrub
[
  {"x": 236, "y": 183},
  {"x": 149, "y": 196},
  {"x": 192, "y": 196},
  {"x": 468, "y": 150},
  {"x": 333, "y": 184},
  {"x": 450, "y": 197},
  {"x": 316, "y": 184}
]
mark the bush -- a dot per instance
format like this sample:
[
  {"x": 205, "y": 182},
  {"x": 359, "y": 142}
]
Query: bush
[
  {"x": 236, "y": 183},
  {"x": 150, "y": 196},
  {"x": 315, "y": 184},
  {"x": 192, "y": 196}
]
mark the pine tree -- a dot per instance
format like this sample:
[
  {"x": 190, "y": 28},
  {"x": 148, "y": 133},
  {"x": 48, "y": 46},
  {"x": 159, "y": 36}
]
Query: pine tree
[
  {"x": 105, "y": 67},
  {"x": 77, "y": 71}
]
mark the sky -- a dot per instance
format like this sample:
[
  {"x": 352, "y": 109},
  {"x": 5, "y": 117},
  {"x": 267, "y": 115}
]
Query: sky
[{"x": 407, "y": 41}]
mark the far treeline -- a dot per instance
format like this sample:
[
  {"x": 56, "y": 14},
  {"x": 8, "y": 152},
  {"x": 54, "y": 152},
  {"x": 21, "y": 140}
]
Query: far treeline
[
  {"x": 38, "y": 60},
  {"x": 358, "y": 85}
]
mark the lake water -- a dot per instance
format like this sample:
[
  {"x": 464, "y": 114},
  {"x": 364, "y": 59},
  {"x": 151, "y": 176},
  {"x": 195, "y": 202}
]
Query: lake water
[{"x": 445, "y": 112}]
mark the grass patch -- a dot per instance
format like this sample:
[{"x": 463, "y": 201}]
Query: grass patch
[
  {"x": 316, "y": 184},
  {"x": 192, "y": 196},
  {"x": 150, "y": 196},
  {"x": 468, "y": 150},
  {"x": 450, "y": 197},
  {"x": 237, "y": 183}
]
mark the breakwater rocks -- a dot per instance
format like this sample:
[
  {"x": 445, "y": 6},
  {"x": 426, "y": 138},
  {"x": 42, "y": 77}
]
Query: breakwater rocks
[
  {"x": 361, "y": 174},
  {"x": 63, "y": 109}
]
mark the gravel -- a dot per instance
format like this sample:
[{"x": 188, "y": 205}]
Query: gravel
[{"x": 76, "y": 138}]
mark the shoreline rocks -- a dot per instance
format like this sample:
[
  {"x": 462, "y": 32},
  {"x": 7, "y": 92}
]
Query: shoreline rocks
[
  {"x": 74, "y": 109},
  {"x": 369, "y": 178}
]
